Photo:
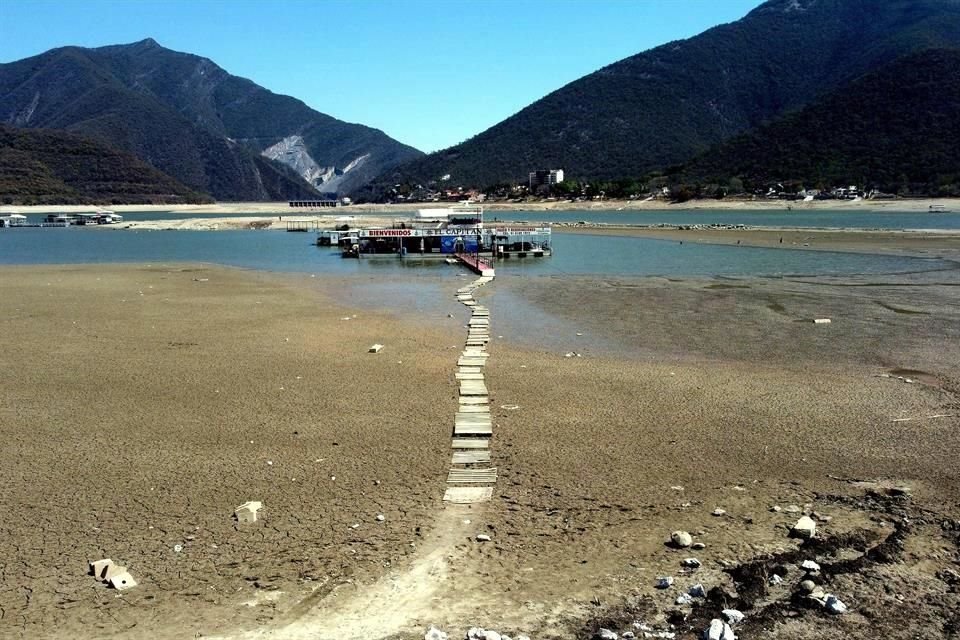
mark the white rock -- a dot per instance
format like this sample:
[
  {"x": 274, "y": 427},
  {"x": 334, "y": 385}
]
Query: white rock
[
  {"x": 483, "y": 538},
  {"x": 775, "y": 579},
  {"x": 698, "y": 545},
  {"x": 691, "y": 563},
  {"x": 434, "y": 634},
  {"x": 715, "y": 630},
  {"x": 381, "y": 517},
  {"x": 606, "y": 634},
  {"x": 664, "y": 582},
  {"x": 834, "y": 605},
  {"x": 805, "y": 527},
  {"x": 775, "y": 508},
  {"x": 492, "y": 635},
  {"x": 719, "y": 512},
  {"x": 733, "y": 616},
  {"x": 681, "y": 539},
  {"x": 792, "y": 508},
  {"x": 476, "y": 633},
  {"x": 810, "y": 565},
  {"x": 628, "y": 635},
  {"x": 684, "y": 599}
]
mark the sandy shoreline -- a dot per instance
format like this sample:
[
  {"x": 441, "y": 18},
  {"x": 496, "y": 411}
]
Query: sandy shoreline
[
  {"x": 135, "y": 391},
  {"x": 280, "y": 208}
]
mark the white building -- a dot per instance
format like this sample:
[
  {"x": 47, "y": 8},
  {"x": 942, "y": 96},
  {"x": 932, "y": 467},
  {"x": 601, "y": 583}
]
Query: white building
[{"x": 545, "y": 177}]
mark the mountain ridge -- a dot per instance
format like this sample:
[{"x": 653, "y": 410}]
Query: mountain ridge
[
  {"x": 889, "y": 129},
  {"x": 664, "y": 105},
  {"x": 46, "y": 166},
  {"x": 189, "y": 117}
]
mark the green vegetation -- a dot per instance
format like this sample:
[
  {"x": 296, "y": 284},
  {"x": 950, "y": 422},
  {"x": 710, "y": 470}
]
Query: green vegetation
[
  {"x": 185, "y": 116},
  {"x": 666, "y": 105},
  {"x": 54, "y": 167},
  {"x": 895, "y": 130}
]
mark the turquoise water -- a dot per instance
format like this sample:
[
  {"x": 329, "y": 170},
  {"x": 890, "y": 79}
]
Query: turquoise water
[
  {"x": 574, "y": 254},
  {"x": 823, "y": 219},
  {"x": 819, "y": 219}
]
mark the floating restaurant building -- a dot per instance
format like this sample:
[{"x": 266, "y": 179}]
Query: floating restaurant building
[{"x": 442, "y": 233}]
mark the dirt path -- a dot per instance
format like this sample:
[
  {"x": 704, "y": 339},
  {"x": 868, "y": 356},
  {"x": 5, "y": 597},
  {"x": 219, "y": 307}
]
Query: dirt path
[
  {"x": 404, "y": 602},
  {"x": 440, "y": 584}
]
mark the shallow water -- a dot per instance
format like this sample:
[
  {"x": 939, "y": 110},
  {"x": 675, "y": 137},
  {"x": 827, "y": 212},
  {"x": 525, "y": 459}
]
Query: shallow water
[
  {"x": 821, "y": 218},
  {"x": 574, "y": 254}
]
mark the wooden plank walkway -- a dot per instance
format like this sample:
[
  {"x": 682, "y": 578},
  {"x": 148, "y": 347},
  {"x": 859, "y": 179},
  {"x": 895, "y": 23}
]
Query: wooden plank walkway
[{"x": 473, "y": 424}]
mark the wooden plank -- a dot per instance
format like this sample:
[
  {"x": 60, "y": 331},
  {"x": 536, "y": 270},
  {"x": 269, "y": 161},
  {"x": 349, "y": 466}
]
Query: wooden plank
[
  {"x": 468, "y": 376},
  {"x": 471, "y": 362},
  {"x": 467, "y": 495},
  {"x": 472, "y": 388},
  {"x": 472, "y": 476},
  {"x": 471, "y": 457},
  {"x": 477, "y": 400},
  {"x": 472, "y": 430},
  {"x": 470, "y": 443},
  {"x": 470, "y": 370},
  {"x": 474, "y": 408}
]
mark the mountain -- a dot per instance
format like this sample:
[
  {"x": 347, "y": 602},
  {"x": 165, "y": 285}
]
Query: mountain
[
  {"x": 53, "y": 167},
  {"x": 895, "y": 129},
  {"x": 215, "y": 132},
  {"x": 665, "y": 105}
]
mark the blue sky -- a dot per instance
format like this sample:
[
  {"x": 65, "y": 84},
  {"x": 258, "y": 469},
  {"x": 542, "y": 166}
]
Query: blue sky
[{"x": 430, "y": 73}]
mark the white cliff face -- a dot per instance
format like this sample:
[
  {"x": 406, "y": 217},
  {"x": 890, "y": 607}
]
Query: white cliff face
[{"x": 292, "y": 152}]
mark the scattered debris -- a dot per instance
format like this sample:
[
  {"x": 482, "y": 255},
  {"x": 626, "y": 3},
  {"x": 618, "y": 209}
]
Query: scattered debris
[
  {"x": 97, "y": 567},
  {"x": 834, "y": 605},
  {"x": 718, "y": 512},
  {"x": 510, "y": 407},
  {"x": 718, "y": 630},
  {"x": 810, "y": 566},
  {"x": 381, "y": 517},
  {"x": 247, "y": 512},
  {"x": 664, "y": 582},
  {"x": 733, "y": 616},
  {"x": 115, "y": 575},
  {"x": 684, "y": 599},
  {"x": 177, "y": 548},
  {"x": 691, "y": 563},
  {"x": 375, "y": 348},
  {"x": 483, "y": 538},
  {"x": 937, "y": 415},
  {"x": 123, "y": 580},
  {"x": 805, "y": 528},
  {"x": 697, "y": 591},
  {"x": 821, "y": 321},
  {"x": 681, "y": 539}
]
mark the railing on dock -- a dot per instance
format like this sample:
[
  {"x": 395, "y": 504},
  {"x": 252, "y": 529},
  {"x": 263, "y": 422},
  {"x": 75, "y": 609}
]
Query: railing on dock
[{"x": 476, "y": 264}]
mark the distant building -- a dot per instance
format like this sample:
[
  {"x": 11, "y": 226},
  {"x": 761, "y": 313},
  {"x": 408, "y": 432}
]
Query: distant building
[{"x": 545, "y": 178}]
